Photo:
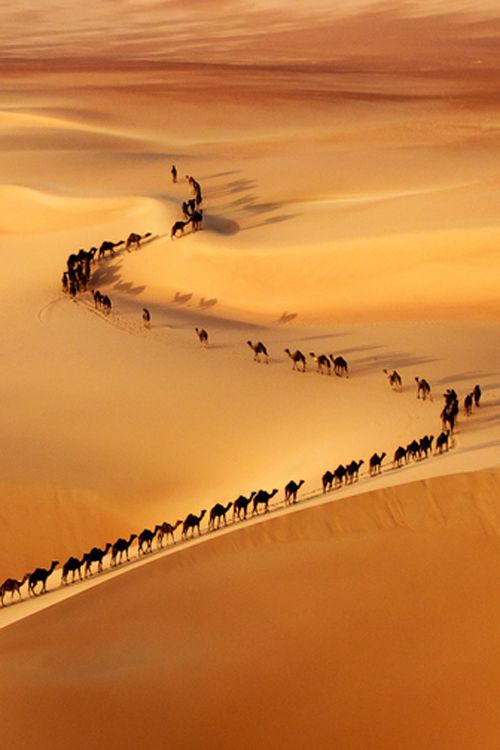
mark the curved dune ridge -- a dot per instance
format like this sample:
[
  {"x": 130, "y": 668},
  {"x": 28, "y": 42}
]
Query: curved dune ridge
[
  {"x": 355, "y": 623},
  {"x": 30, "y": 211}
]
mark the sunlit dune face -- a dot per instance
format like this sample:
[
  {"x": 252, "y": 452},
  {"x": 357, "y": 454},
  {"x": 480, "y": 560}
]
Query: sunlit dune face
[{"x": 425, "y": 33}]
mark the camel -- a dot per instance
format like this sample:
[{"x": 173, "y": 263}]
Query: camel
[
  {"x": 166, "y": 530},
  {"x": 426, "y": 445},
  {"x": 241, "y": 504},
  {"x": 399, "y": 456},
  {"x": 291, "y": 491},
  {"x": 97, "y": 296},
  {"x": 134, "y": 240},
  {"x": 109, "y": 247},
  {"x": 449, "y": 416},
  {"x": 327, "y": 480},
  {"x": 395, "y": 380},
  {"x": 262, "y": 498},
  {"x": 40, "y": 575},
  {"x": 258, "y": 350},
  {"x": 179, "y": 226},
  {"x": 146, "y": 317},
  {"x": 376, "y": 463},
  {"x": 12, "y": 585},
  {"x": 423, "y": 389},
  {"x": 339, "y": 366},
  {"x": 197, "y": 220},
  {"x": 442, "y": 441},
  {"x": 353, "y": 470},
  {"x": 72, "y": 565},
  {"x": 468, "y": 401},
  {"x": 413, "y": 450},
  {"x": 119, "y": 547},
  {"x": 218, "y": 511},
  {"x": 188, "y": 208},
  {"x": 323, "y": 363},
  {"x": 96, "y": 555},
  {"x": 106, "y": 304},
  {"x": 297, "y": 358},
  {"x": 192, "y": 522},
  {"x": 146, "y": 538},
  {"x": 339, "y": 475},
  {"x": 477, "y": 395},
  {"x": 203, "y": 336},
  {"x": 173, "y": 172}
]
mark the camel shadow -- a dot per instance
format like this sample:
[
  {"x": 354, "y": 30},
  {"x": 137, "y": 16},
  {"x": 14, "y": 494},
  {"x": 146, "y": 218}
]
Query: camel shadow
[
  {"x": 207, "y": 303},
  {"x": 220, "y": 174},
  {"x": 366, "y": 365},
  {"x": 271, "y": 220},
  {"x": 473, "y": 376},
  {"x": 128, "y": 288},
  {"x": 220, "y": 225},
  {"x": 182, "y": 299},
  {"x": 238, "y": 186},
  {"x": 286, "y": 317}
]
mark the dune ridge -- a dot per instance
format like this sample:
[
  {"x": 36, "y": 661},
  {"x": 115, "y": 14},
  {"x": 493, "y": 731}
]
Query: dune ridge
[{"x": 342, "y": 623}]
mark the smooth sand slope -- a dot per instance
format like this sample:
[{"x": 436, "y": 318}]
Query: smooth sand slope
[{"x": 367, "y": 622}]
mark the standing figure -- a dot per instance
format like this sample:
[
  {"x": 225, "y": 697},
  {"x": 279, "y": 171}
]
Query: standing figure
[
  {"x": 477, "y": 395},
  {"x": 173, "y": 172}
]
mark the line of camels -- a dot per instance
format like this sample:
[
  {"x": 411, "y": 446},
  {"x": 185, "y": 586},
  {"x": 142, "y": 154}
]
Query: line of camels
[{"x": 343, "y": 475}]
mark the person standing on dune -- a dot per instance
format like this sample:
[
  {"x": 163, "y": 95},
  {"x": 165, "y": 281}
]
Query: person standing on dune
[{"x": 173, "y": 172}]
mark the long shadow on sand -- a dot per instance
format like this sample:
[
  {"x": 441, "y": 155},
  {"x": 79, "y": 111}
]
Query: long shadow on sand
[
  {"x": 365, "y": 365},
  {"x": 109, "y": 275}
]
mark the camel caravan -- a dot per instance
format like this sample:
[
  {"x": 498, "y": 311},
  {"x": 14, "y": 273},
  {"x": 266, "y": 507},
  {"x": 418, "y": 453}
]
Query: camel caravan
[
  {"x": 192, "y": 210},
  {"x": 243, "y": 507}
]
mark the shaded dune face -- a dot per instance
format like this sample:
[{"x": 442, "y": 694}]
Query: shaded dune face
[{"x": 351, "y": 623}]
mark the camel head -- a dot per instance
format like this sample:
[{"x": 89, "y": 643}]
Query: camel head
[
  {"x": 229, "y": 505},
  {"x": 132, "y": 537},
  {"x": 273, "y": 493},
  {"x": 203, "y": 512},
  {"x": 384, "y": 454},
  {"x": 300, "y": 483}
]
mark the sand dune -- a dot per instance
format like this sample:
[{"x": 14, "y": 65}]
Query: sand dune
[
  {"x": 355, "y": 623},
  {"x": 351, "y": 195}
]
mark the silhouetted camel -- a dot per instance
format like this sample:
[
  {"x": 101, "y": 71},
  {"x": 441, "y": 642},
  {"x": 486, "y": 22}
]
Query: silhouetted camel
[
  {"x": 399, "y": 456},
  {"x": 376, "y": 463},
  {"x": 423, "y": 389},
  {"x": 241, "y": 504},
  {"x": 327, "y": 480},
  {"x": 323, "y": 363},
  {"x": 192, "y": 522},
  {"x": 119, "y": 547},
  {"x": 13, "y": 586},
  {"x": 339, "y": 366},
  {"x": 197, "y": 220},
  {"x": 166, "y": 530},
  {"x": 218, "y": 511},
  {"x": 297, "y": 358},
  {"x": 426, "y": 445},
  {"x": 395, "y": 380},
  {"x": 477, "y": 395},
  {"x": 72, "y": 565},
  {"x": 134, "y": 240},
  {"x": 353, "y": 470},
  {"x": 258, "y": 350},
  {"x": 173, "y": 172},
  {"x": 203, "y": 336},
  {"x": 146, "y": 317},
  {"x": 468, "y": 402},
  {"x": 109, "y": 247},
  {"x": 413, "y": 450},
  {"x": 106, "y": 304},
  {"x": 262, "y": 498},
  {"x": 40, "y": 575},
  {"x": 97, "y": 298},
  {"x": 291, "y": 491},
  {"x": 449, "y": 416},
  {"x": 145, "y": 539},
  {"x": 339, "y": 475},
  {"x": 179, "y": 226},
  {"x": 96, "y": 555},
  {"x": 442, "y": 441}
]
